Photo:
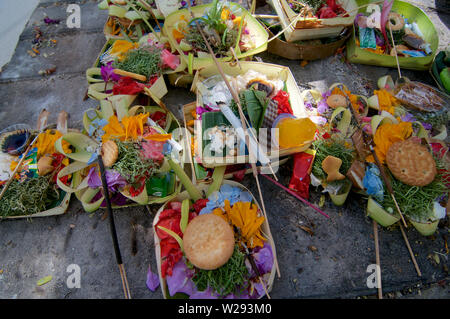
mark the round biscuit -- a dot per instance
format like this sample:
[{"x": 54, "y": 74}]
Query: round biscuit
[{"x": 411, "y": 163}]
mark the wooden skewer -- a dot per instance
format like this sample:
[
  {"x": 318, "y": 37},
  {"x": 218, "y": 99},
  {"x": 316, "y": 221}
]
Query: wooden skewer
[
  {"x": 242, "y": 117},
  {"x": 419, "y": 273},
  {"x": 377, "y": 258},
  {"x": 395, "y": 51}
]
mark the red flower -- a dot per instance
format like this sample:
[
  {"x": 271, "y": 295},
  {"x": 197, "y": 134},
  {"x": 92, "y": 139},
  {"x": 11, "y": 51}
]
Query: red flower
[
  {"x": 129, "y": 86},
  {"x": 170, "y": 250}
]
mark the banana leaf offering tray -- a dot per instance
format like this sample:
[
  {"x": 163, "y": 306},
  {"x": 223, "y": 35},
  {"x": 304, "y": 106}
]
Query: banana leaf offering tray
[
  {"x": 408, "y": 141},
  {"x": 29, "y": 164},
  {"x": 378, "y": 28},
  {"x": 132, "y": 19},
  {"x": 231, "y": 232},
  {"x": 232, "y": 32},
  {"x": 126, "y": 67}
]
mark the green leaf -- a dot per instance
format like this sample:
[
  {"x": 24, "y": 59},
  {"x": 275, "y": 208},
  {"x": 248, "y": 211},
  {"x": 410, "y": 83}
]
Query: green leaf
[
  {"x": 194, "y": 193},
  {"x": 44, "y": 280},
  {"x": 256, "y": 107},
  {"x": 217, "y": 177}
]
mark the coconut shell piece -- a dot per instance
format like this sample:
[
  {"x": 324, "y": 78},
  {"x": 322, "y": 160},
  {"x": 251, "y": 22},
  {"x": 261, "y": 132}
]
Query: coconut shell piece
[{"x": 331, "y": 165}]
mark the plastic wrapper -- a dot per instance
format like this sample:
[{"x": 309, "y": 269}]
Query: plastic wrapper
[
  {"x": 300, "y": 179},
  {"x": 421, "y": 97}
]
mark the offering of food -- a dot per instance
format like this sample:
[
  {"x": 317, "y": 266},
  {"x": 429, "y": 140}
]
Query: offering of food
[
  {"x": 314, "y": 19},
  {"x": 29, "y": 163},
  {"x": 229, "y": 29},
  {"x": 133, "y": 147},
  {"x": 130, "y": 68}
]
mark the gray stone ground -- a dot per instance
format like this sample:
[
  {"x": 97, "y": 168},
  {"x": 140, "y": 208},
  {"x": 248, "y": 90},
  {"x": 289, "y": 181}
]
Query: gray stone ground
[{"x": 344, "y": 246}]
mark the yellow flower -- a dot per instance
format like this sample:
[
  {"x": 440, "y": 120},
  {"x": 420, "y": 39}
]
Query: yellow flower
[
  {"x": 113, "y": 130},
  {"x": 244, "y": 216},
  {"x": 225, "y": 14},
  {"x": 386, "y": 101},
  {"x": 45, "y": 143},
  {"x": 386, "y": 135},
  {"x": 131, "y": 128},
  {"x": 353, "y": 98}
]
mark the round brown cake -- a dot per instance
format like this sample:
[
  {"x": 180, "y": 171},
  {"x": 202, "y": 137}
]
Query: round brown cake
[
  {"x": 411, "y": 163},
  {"x": 208, "y": 241}
]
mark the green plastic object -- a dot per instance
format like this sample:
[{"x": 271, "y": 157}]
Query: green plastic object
[
  {"x": 161, "y": 185},
  {"x": 357, "y": 55}
]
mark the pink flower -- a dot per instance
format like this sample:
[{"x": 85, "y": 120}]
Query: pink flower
[{"x": 153, "y": 150}]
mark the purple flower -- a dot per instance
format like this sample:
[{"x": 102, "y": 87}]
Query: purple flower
[
  {"x": 152, "y": 280},
  {"x": 408, "y": 117},
  {"x": 203, "y": 109},
  {"x": 427, "y": 126},
  {"x": 309, "y": 106},
  {"x": 113, "y": 179},
  {"x": 326, "y": 94},
  {"x": 322, "y": 107},
  {"x": 180, "y": 281},
  {"x": 263, "y": 259},
  {"x": 107, "y": 72}
]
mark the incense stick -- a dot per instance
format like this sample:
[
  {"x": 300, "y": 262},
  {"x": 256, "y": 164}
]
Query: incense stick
[
  {"x": 410, "y": 251},
  {"x": 112, "y": 227}
]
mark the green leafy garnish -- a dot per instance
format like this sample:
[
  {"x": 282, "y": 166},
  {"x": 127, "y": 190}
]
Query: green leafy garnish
[
  {"x": 31, "y": 196},
  {"x": 417, "y": 201},
  {"x": 131, "y": 164},
  {"x": 226, "y": 279},
  {"x": 145, "y": 61}
]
